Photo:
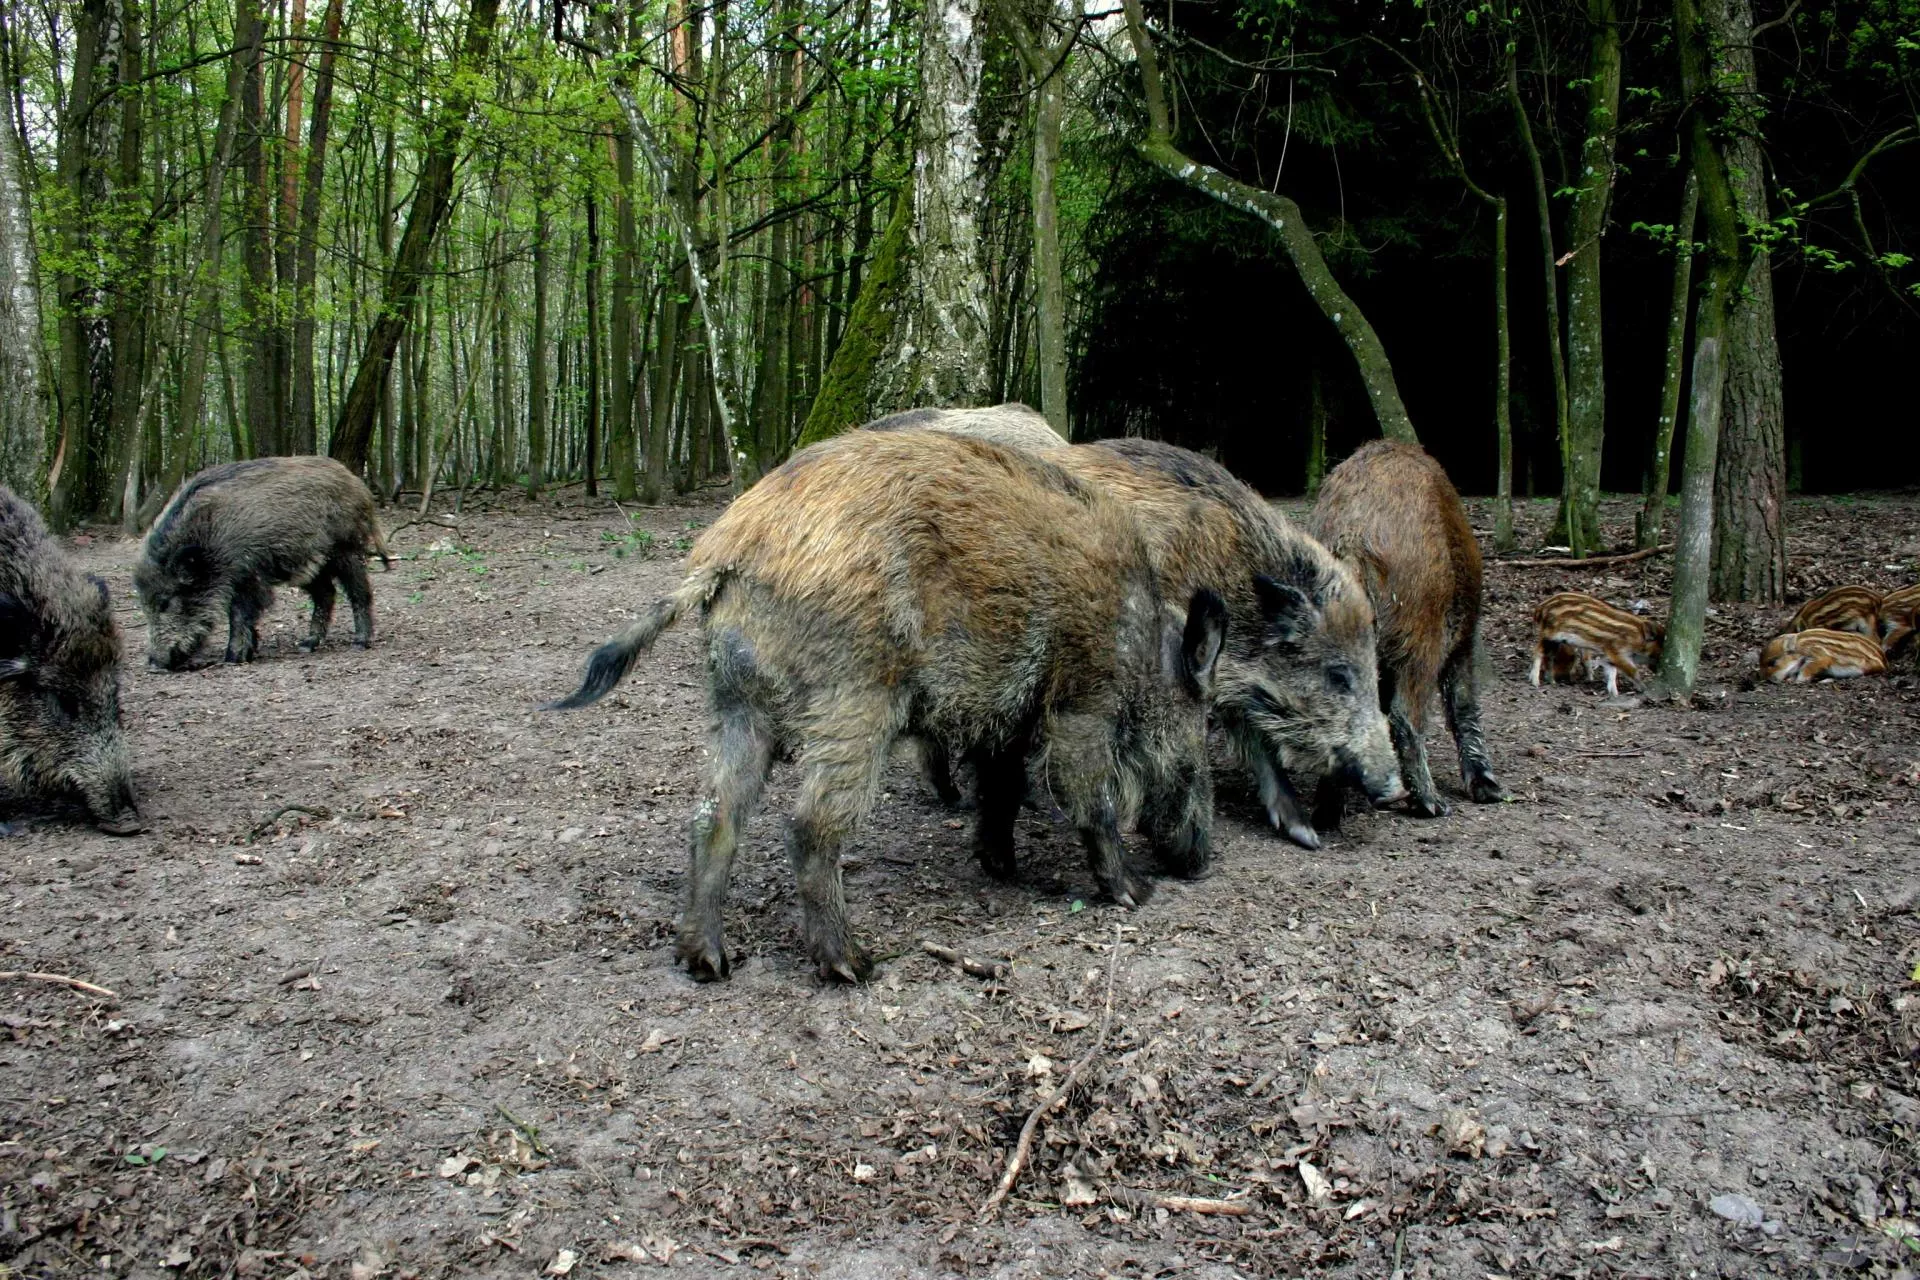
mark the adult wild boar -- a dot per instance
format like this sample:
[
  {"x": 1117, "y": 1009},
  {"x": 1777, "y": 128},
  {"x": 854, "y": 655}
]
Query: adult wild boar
[
  {"x": 234, "y": 532},
  {"x": 59, "y": 676},
  {"x": 1297, "y": 685},
  {"x": 885, "y": 584},
  {"x": 1391, "y": 511},
  {"x": 1012, "y": 424}
]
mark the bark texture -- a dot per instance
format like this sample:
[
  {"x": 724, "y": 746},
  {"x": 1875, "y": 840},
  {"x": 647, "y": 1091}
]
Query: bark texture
[
  {"x": 1651, "y": 526},
  {"x": 24, "y": 402}
]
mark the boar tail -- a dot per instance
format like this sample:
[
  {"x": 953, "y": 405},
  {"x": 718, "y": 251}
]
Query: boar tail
[
  {"x": 611, "y": 661},
  {"x": 380, "y": 548}
]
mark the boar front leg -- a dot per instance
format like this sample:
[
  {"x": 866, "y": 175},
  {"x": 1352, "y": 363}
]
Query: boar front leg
[
  {"x": 1281, "y": 800},
  {"x": 742, "y": 751},
  {"x": 1000, "y": 783},
  {"x": 1460, "y": 693},
  {"x": 1411, "y": 748},
  {"x": 250, "y": 599}
]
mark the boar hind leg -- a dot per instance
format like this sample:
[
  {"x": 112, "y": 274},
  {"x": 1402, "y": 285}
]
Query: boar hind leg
[
  {"x": 742, "y": 752},
  {"x": 842, "y": 766},
  {"x": 250, "y": 600},
  {"x": 321, "y": 592},
  {"x": 937, "y": 761},
  {"x": 1460, "y": 693},
  {"x": 1000, "y": 783},
  {"x": 351, "y": 569}
]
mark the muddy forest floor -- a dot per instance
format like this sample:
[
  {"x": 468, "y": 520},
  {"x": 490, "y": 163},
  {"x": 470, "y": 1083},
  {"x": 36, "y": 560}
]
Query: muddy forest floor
[{"x": 1652, "y": 1018}]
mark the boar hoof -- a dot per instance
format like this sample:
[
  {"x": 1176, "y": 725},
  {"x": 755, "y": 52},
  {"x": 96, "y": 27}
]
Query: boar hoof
[
  {"x": 1429, "y": 806},
  {"x": 308, "y": 645},
  {"x": 1300, "y": 833},
  {"x": 1134, "y": 893},
  {"x": 360, "y": 643},
  {"x": 705, "y": 962},
  {"x": 1487, "y": 791},
  {"x": 124, "y": 824},
  {"x": 853, "y": 967}
]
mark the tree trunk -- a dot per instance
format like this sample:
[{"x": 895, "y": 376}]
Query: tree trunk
[
  {"x": 1701, "y": 41},
  {"x": 1296, "y": 239},
  {"x": 594, "y": 407},
  {"x": 1652, "y": 524},
  {"x": 846, "y": 397},
  {"x": 432, "y": 198},
  {"x": 1750, "y": 495},
  {"x": 626, "y": 272},
  {"x": 1550, "y": 276},
  {"x": 258, "y": 309},
  {"x": 131, "y": 283},
  {"x": 939, "y": 354},
  {"x": 81, "y": 409},
  {"x": 537, "y": 357},
  {"x": 24, "y": 402},
  {"x": 1503, "y": 540},
  {"x": 1579, "y": 518},
  {"x": 666, "y": 372},
  {"x": 305, "y": 427},
  {"x": 1047, "y": 65},
  {"x": 1316, "y": 430}
]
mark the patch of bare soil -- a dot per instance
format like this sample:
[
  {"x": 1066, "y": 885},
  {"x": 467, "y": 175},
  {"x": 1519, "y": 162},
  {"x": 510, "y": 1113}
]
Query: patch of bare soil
[{"x": 1652, "y": 1018}]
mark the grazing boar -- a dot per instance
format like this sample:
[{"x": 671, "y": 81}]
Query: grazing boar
[
  {"x": 233, "y": 532},
  {"x": 1391, "y": 510},
  {"x": 1013, "y": 425},
  {"x": 1574, "y": 627},
  {"x": 887, "y": 584},
  {"x": 1297, "y": 686},
  {"x": 1802, "y": 657},
  {"x": 1841, "y": 609},
  {"x": 59, "y": 676},
  {"x": 1897, "y": 617}
]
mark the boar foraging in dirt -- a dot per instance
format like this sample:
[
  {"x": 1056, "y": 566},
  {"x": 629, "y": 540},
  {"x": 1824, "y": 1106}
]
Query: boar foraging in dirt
[
  {"x": 233, "y": 532},
  {"x": 1841, "y": 609},
  {"x": 1391, "y": 510},
  {"x": 880, "y": 585},
  {"x": 1802, "y": 657},
  {"x": 1576, "y": 629},
  {"x": 59, "y": 676},
  {"x": 1297, "y": 687}
]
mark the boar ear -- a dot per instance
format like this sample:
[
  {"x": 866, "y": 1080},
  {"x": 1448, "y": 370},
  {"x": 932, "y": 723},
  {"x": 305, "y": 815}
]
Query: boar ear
[
  {"x": 1285, "y": 609},
  {"x": 1203, "y": 638}
]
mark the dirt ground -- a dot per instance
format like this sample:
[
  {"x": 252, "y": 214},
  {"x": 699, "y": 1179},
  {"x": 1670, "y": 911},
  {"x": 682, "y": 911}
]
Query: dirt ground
[{"x": 1652, "y": 1018}]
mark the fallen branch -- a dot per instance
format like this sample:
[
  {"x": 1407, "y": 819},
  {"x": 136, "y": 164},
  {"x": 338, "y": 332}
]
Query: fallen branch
[
  {"x": 445, "y": 522},
  {"x": 1608, "y": 755},
  {"x": 63, "y": 980},
  {"x": 261, "y": 828},
  {"x": 992, "y": 969},
  {"x": 1024, "y": 1147},
  {"x": 1590, "y": 562},
  {"x": 1179, "y": 1204}
]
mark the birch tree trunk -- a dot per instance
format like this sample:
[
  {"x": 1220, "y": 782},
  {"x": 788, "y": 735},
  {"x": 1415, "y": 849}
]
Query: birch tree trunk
[
  {"x": 939, "y": 354},
  {"x": 24, "y": 403}
]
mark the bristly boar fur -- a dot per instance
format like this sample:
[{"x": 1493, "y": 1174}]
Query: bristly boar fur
[
  {"x": 1573, "y": 628},
  {"x": 59, "y": 676},
  {"x": 234, "y": 532},
  {"x": 1899, "y": 610},
  {"x": 1012, "y": 424},
  {"x": 1298, "y": 687},
  {"x": 1392, "y": 512},
  {"x": 885, "y": 584}
]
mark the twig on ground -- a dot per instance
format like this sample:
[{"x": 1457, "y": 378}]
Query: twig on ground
[
  {"x": 527, "y": 1131},
  {"x": 62, "y": 979},
  {"x": 1179, "y": 1204},
  {"x": 1590, "y": 562},
  {"x": 993, "y": 969},
  {"x": 261, "y": 828},
  {"x": 1021, "y": 1149},
  {"x": 445, "y": 522},
  {"x": 1608, "y": 755}
]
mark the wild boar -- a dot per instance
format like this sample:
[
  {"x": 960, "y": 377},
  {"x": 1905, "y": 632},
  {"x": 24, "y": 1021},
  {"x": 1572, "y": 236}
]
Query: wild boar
[
  {"x": 1391, "y": 511},
  {"x": 59, "y": 676},
  {"x": 1013, "y": 425},
  {"x": 1605, "y": 640},
  {"x": 233, "y": 532},
  {"x": 1297, "y": 687},
  {"x": 886, "y": 584},
  {"x": 1898, "y": 610},
  {"x": 1802, "y": 657},
  {"x": 1841, "y": 609}
]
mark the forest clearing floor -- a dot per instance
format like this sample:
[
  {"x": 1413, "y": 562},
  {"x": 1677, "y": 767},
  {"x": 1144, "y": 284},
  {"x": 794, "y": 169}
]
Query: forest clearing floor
[{"x": 1652, "y": 1018}]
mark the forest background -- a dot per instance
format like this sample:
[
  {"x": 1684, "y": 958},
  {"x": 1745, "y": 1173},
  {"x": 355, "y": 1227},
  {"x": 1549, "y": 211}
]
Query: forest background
[{"x": 656, "y": 245}]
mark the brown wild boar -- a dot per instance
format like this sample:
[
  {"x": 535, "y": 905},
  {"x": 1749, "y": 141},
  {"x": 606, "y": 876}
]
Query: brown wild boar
[
  {"x": 1297, "y": 686},
  {"x": 1802, "y": 657},
  {"x": 1391, "y": 511},
  {"x": 235, "y": 531},
  {"x": 1841, "y": 609},
  {"x": 880, "y": 585},
  {"x": 1898, "y": 610},
  {"x": 1603, "y": 639},
  {"x": 1013, "y": 425},
  {"x": 59, "y": 676}
]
